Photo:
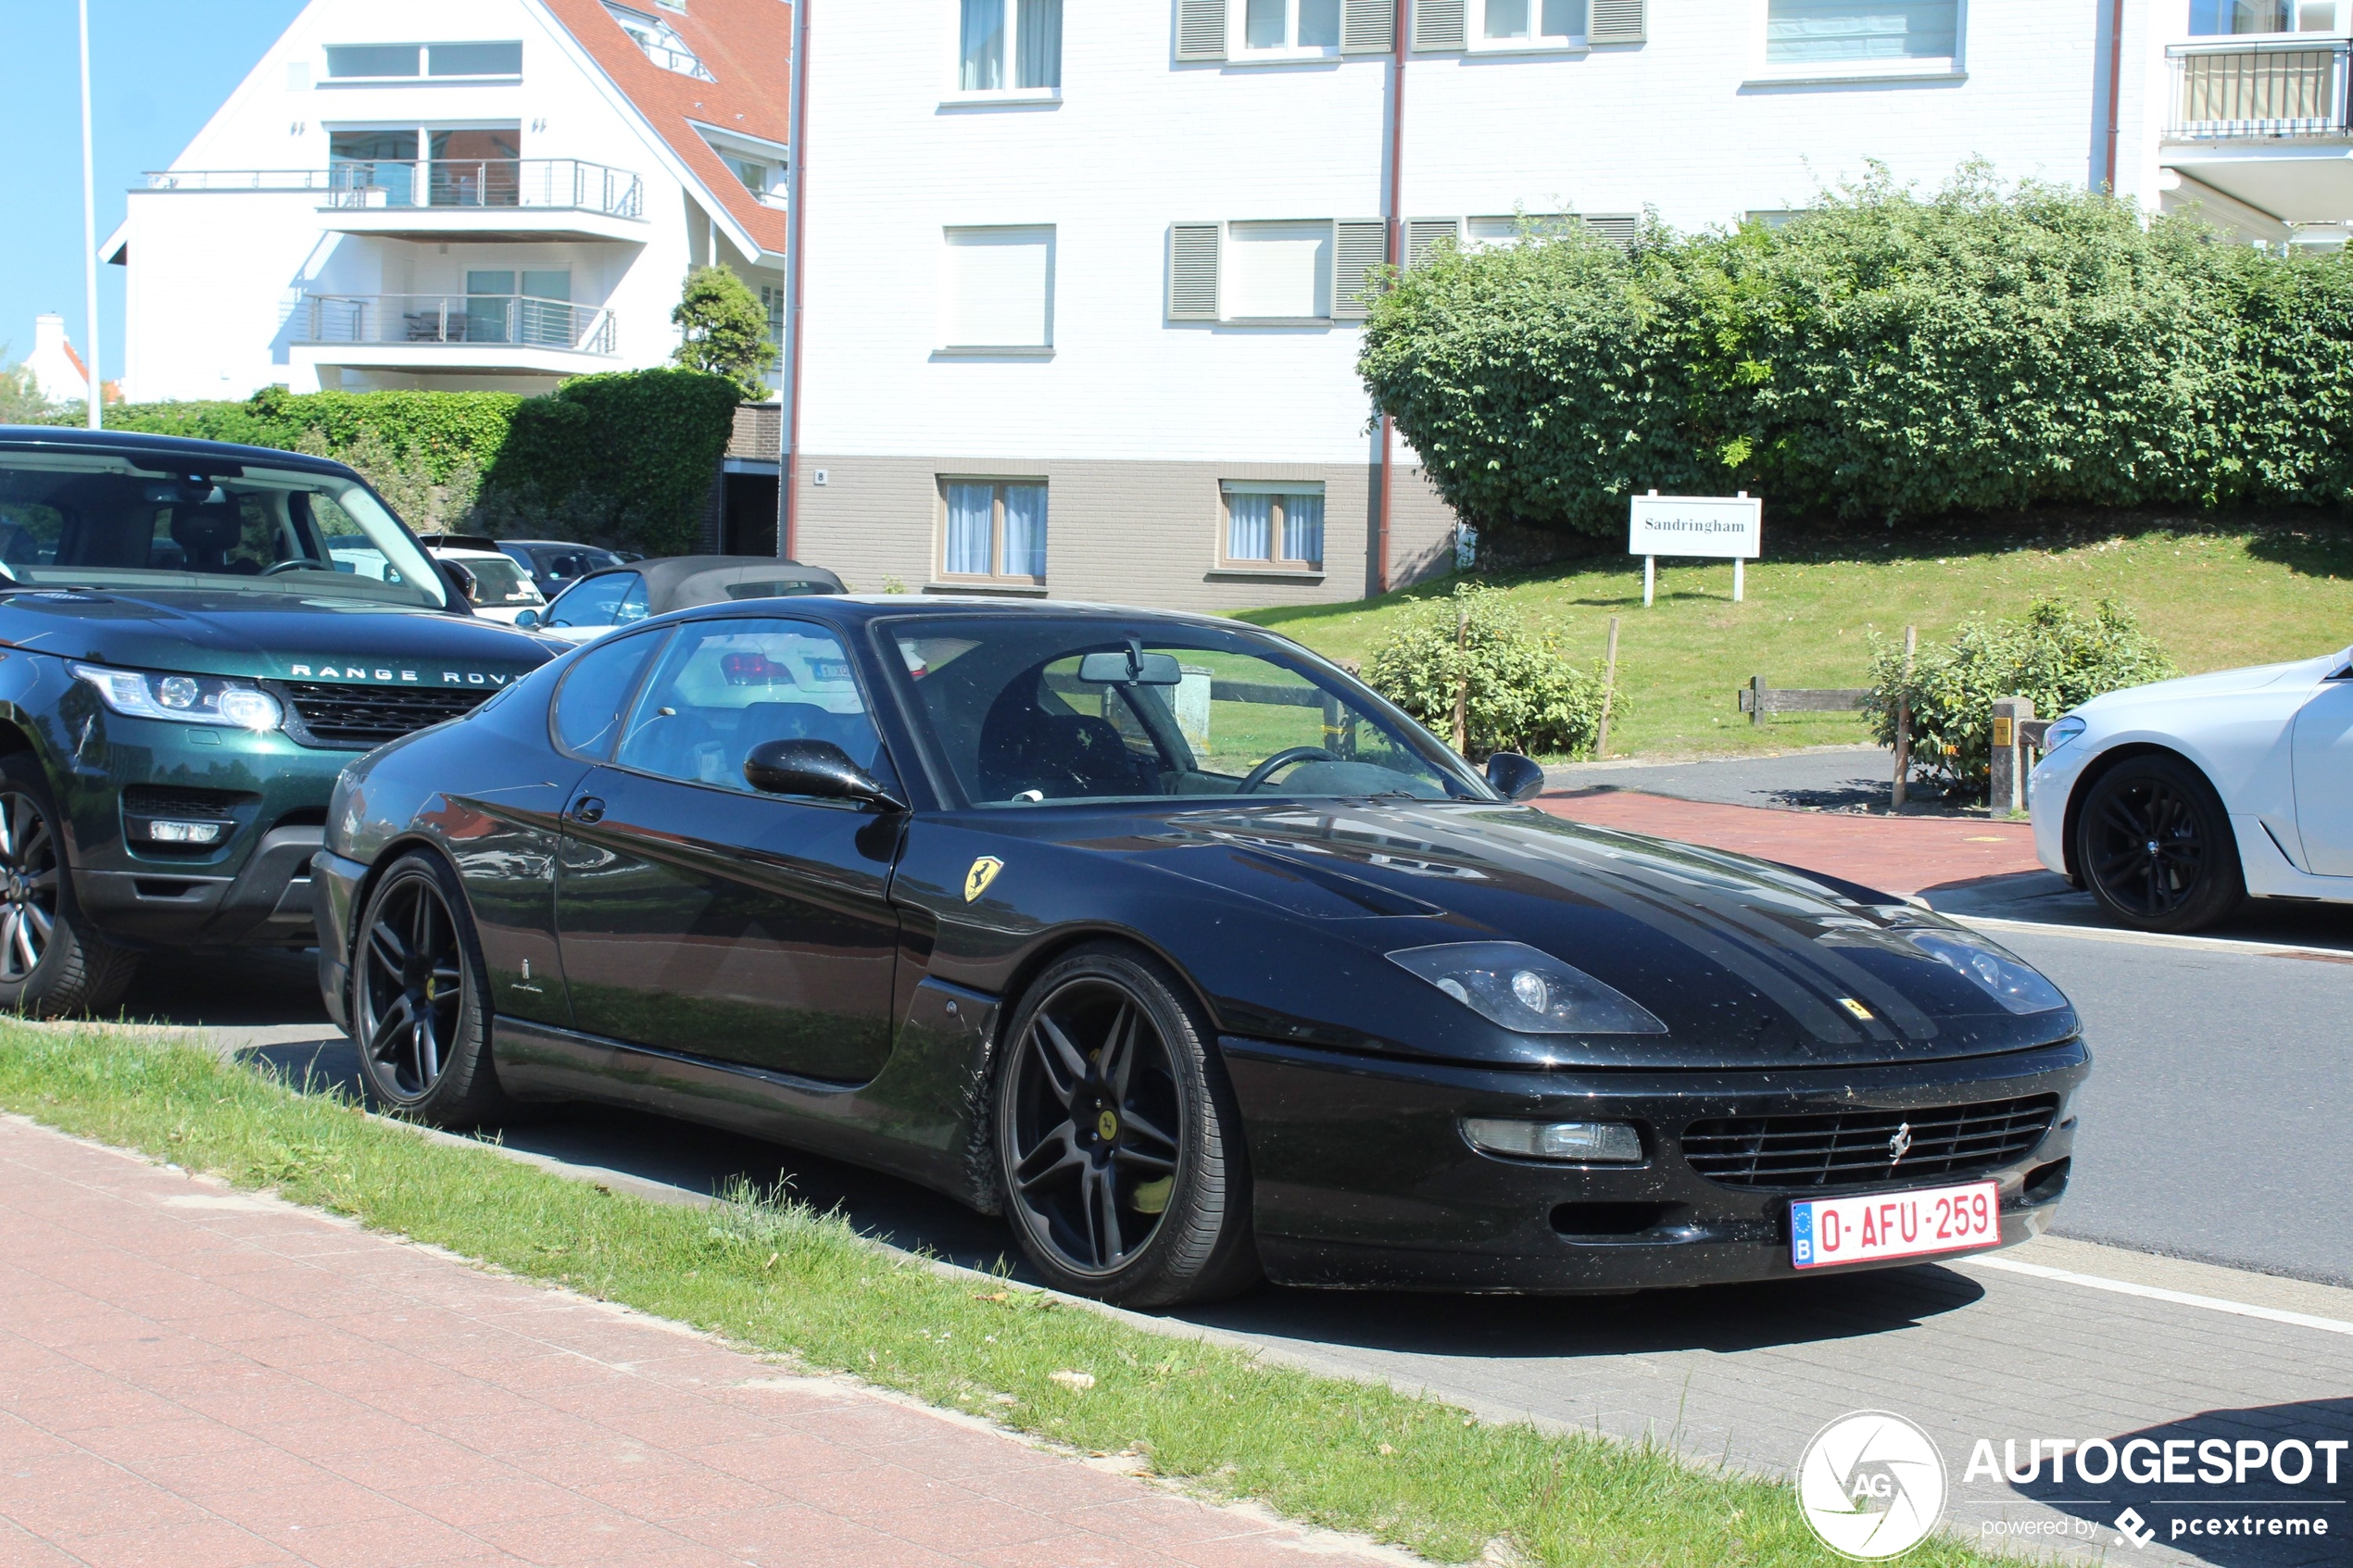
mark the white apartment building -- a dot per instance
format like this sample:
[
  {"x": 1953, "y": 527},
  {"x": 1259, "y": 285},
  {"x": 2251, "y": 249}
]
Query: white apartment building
[
  {"x": 461, "y": 194},
  {"x": 1082, "y": 307}
]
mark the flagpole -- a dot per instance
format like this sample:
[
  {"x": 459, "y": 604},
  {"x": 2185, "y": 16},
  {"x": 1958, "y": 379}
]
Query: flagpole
[{"x": 96, "y": 396}]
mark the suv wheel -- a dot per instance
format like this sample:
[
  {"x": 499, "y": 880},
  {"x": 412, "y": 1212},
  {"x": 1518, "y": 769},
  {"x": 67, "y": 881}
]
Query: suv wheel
[
  {"x": 51, "y": 960},
  {"x": 2156, "y": 848},
  {"x": 416, "y": 999}
]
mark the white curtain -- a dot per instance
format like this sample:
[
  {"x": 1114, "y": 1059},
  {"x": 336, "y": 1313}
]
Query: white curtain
[
  {"x": 1304, "y": 527},
  {"x": 984, "y": 52},
  {"x": 1041, "y": 44},
  {"x": 1250, "y": 527},
  {"x": 969, "y": 515},
  {"x": 1806, "y": 32},
  {"x": 1024, "y": 530}
]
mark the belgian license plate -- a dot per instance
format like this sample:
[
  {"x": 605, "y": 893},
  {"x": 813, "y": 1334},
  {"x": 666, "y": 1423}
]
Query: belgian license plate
[{"x": 1824, "y": 1232}]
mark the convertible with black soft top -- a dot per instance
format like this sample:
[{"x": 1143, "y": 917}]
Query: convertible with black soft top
[{"x": 1180, "y": 948}]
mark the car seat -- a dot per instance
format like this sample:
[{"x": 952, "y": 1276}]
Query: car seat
[
  {"x": 206, "y": 534},
  {"x": 1025, "y": 746}
]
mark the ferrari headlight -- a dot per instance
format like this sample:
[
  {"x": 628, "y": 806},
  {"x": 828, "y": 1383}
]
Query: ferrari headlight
[
  {"x": 1527, "y": 991},
  {"x": 183, "y": 699},
  {"x": 2014, "y": 985},
  {"x": 2061, "y": 732}
]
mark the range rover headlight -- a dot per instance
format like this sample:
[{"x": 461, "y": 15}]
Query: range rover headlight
[
  {"x": 1527, "y": 991},
  {"x": 2000, "y": 975},
  {"x": 183, "y": 699}
]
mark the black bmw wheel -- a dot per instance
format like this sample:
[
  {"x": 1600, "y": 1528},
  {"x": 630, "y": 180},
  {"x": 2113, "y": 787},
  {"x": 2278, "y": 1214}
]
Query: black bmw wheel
[
  {"x": 2155, "y": 847},
  {"x": 417, "y": 994},
  {"x": 51, "y": 961},
  {"x": 1119, "y": 1152}
]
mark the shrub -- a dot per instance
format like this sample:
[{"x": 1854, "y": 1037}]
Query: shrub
[
  {"x": 2056, "y": 655},
  {"x": 1523, "y": 693},
  {"x": 725, "y": 330}
]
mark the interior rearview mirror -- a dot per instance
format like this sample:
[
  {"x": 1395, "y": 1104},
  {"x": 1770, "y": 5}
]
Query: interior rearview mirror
[
  {"x": 1122, "y": 669},
  {"x": 1514, "y": 776},
  {"x": 817, "y": 768}
]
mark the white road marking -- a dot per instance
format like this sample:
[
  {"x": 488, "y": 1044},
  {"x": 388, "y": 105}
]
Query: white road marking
[
  {"x": 2242, "y": 946},
  {"x": 2154, "y": 1293}
]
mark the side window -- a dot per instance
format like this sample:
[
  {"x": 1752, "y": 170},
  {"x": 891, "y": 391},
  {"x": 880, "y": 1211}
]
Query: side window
[
  {"x": 589, "y": 708},
  {"x": 726, "y": 686},
  {"x": 601, "y": 601}
]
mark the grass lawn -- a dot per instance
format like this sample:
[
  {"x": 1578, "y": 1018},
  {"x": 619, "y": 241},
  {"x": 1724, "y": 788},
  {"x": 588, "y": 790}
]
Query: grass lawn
[
  {"x": 2214, "y": 598},
  {"x": 775, "y": 1277}
]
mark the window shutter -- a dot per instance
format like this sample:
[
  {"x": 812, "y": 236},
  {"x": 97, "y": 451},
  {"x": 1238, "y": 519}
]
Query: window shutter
[
  {"x": 1615, "y": 21},
  {"x": 1439, "y": 24},
  {"x": 1359, "y": 246},
  {"x": 1192, "y": 271},
  {"x": 1423, "y": 232},
  {"x": 1617, "y": 228},
  {"x": 1200, "y": 30},
  {"x": 1367, "y": 27}
]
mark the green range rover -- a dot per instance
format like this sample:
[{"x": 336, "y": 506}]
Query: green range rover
[{"x": 195, "y": 639}]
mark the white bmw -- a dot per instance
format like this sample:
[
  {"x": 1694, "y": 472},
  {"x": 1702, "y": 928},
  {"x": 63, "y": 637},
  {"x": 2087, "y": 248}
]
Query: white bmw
[{"x": 2174, "y": 802}]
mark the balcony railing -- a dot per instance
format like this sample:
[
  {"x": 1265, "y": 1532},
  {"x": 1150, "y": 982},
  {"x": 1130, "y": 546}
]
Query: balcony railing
[
  {"x": 558, "y": 183},
  {"x": 457, "y": 318},
  {"x": 236, "y": 179},
  {"x": 2283, "y": 89}
]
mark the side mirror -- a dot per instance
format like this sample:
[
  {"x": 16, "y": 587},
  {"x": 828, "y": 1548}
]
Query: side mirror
[
  {"x": 527, "y": 618},
  {"x": 1514, "y": 776},
  {"x": 816, "y": 767}
]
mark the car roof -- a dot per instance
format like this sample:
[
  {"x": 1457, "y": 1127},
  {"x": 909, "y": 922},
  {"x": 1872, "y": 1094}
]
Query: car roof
[
  {"x": 684, "y": 582},
  {"x": 142, "y": 444},
  {"x": 551, "y": 545},
  {"x": 857, "y": 610},
  {"x": 467, "y": 552}
]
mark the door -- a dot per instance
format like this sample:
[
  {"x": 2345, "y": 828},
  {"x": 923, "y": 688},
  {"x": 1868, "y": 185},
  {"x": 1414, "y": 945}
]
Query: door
[
  {"x": 699, "y": 916},
  {"x": 2323, "y": 748}
]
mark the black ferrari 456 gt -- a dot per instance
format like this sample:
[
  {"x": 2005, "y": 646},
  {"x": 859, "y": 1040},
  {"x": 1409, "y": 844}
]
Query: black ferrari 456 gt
[{"x": 1182, "y": 950}]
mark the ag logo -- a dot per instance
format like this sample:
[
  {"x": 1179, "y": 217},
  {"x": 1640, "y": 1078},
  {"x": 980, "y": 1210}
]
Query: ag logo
[
  {"x": 983, "y": 871},
  {"x": 1871, "y": 1485}
]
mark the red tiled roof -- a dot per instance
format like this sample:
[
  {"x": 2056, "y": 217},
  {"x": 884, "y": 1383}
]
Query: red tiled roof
[{"x": 747, "y": 44}]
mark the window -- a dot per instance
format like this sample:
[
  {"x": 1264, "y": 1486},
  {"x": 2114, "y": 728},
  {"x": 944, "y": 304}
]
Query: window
[
  {"x": 1291, "y": 26},
  {"x": 346, "y": 60},
  {"x": 1278, "y": 271},
  {"x": 995, "y": 529},
  {"x": 613, "y": 599},
  {"x": 1816, "y": 32},
  {"x": 726, "y": 686},
  {"x": 1273, "y": 526},
  {"x": 1010, "y": 45},
  {"x": 772, "y": 301},
  {"x": 997, "y": 289},
  {"x": 2213, "y": 17},
  {"x": 475, "y": 59},
  {"x": 594, "y": 690},
  {"x": 530, "y": 307},
  {"x": 661, "y": 43},
  {"x": 1532, "y": 23},
  {"x": 389, "y": 61}
]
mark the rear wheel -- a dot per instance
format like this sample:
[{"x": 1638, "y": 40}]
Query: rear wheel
[
  {"x": 418, "y": 991},
  {"x": 1119, "y": 1150},
  {"x": 51, "y": 960},
  {"x": 2155, "y": 847}
]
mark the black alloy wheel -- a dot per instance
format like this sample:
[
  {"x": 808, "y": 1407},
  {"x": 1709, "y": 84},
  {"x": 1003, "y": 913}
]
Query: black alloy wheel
[
  {"x": 1119, "y": 1152},
  {"x": 2155, "y": 847},
  {"x": 51, "y": 960},
  {"x": 417, "y": 994}
]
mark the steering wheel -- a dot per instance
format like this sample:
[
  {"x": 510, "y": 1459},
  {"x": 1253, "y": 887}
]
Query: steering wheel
[
  {"x": 297, "y": 564},
  {"x": 1280, "y": 761}
]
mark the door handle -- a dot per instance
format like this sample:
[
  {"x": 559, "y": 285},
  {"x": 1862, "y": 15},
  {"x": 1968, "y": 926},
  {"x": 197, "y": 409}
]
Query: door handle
[{"x": 588, "y": 809}]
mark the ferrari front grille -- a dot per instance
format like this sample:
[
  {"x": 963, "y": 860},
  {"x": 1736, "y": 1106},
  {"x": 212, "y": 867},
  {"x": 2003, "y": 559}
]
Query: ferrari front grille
[
  {"x": 326, "y": 714},
  {"x": 1847, "y": 1149}
]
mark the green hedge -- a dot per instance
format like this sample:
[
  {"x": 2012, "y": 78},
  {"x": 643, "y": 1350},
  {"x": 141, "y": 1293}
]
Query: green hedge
[
  {"x": 1519, "y": 692},
  {"x": 624, "y": 459},
  {"x": 1886, "y": 356}
]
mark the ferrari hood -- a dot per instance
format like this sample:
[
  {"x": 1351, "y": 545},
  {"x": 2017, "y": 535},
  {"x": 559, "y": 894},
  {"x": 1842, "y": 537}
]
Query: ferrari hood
[
  {"x": 1748, "y": 963},
  {"x": 266, "y": 635}
]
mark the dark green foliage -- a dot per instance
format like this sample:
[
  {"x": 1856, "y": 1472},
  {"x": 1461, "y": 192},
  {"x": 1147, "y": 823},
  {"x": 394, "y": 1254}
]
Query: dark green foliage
[
  {"x": 1886, "y": 356},
  {"x": 725, "y": 330},
  {"x": 2056, "y": 655},
  {"x": 1520, "y": 692}
]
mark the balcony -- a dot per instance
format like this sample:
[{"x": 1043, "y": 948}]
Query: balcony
[
  {"x": 2266, "y": 124},
  {"x": 529, "y": 199},
  {"x": 493, "y": 334}
]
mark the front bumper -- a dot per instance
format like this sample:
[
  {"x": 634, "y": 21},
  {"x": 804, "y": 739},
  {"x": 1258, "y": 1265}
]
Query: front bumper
[
  {"x": 2049, "y": 789},
  {"x": 1363, "y": 1177}
]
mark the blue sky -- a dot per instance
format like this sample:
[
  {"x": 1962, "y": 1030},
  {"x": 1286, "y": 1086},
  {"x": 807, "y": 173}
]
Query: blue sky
[{"x": 158, "y": 68}]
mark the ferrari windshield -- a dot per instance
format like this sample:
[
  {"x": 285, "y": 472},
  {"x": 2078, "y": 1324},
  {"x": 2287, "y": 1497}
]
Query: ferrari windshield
[
  {"x": 140, "y": 520},
  {"x": 1026, "y": 712}
]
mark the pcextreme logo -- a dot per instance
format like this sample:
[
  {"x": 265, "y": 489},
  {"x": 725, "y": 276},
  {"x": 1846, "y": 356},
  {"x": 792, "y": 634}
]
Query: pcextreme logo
[{"x": 1871, "y": 1485}]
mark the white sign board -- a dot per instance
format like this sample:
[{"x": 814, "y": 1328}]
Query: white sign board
[{"x": 1697, "y": 525}]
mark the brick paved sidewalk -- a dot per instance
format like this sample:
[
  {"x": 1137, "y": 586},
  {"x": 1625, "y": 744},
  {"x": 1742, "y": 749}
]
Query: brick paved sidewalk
[
  {"x": 195, "y": 1378},
  {"x": 1898, "y": 854}
]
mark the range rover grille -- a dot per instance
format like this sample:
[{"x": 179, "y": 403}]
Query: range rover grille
[
  {"x": 327, "y": 714},
  {"x": 1859, "y": 1147}
]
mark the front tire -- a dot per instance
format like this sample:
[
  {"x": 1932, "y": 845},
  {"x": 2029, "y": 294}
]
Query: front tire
[
  {"x": 51, "y": 960},
  {"x": 2153, "y": 845},
  {"x": 418, "y": 984},
  {"x": 1119, "y": 1150}
]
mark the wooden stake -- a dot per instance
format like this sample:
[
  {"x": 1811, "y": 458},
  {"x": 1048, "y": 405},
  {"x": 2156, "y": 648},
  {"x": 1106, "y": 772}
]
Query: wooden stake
[
  {"x": 1462, "y": 679},
  {"x": 1904, "y": 719},
  {"x": 1609, "y": 689}
]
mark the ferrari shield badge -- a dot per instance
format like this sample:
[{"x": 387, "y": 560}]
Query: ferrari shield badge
[{"x": 983, "y": 871}]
